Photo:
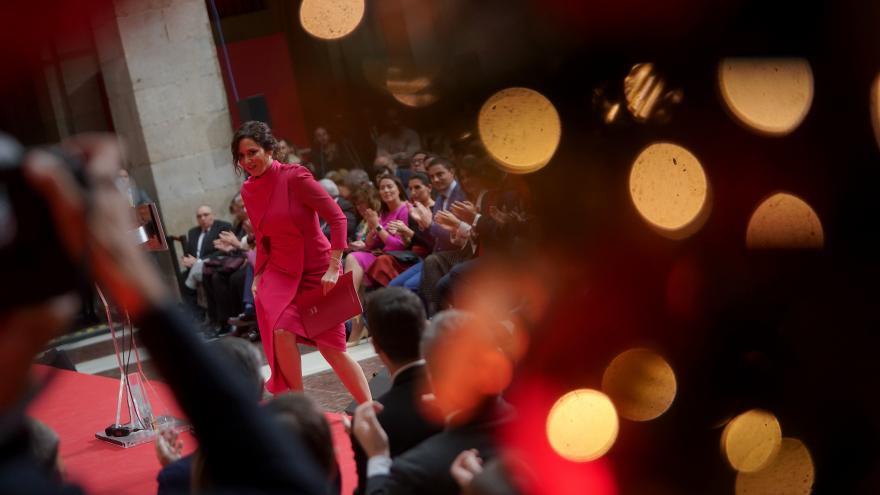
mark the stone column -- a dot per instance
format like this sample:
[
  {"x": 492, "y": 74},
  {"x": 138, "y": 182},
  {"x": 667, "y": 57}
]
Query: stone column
[{"x": 168, "y": 103}]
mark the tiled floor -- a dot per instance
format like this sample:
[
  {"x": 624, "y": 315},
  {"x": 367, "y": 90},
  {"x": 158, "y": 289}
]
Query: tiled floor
[{"x": 328, "y": 391}]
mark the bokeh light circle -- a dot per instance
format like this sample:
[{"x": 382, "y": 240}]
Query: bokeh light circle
[
  {"x": 668, "y": 186},
  {"x": 641, "y": 383},
  {"x": 751, "y": 440},
  {"x": 582, "y": 425},
  {"x": 520, "y": 128},
  {"x": 791, "y": 472},
  {"x": 331, "y": 19},
  {"x": 875, "y": 107},
  {"x": 771, "y": 96},
  {"x": 410, "y": 89},
  {"x": 784, "y": 221}
]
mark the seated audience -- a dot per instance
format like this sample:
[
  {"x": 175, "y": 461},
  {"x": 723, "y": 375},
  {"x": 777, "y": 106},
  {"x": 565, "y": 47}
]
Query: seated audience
[
  {"x": 397, "y": 322},
  {"x": 468, "y": 372},
  {"x": 200, "y": 246},
  {"x": 447, "y": 191},
  {"x": 346, "y": 207}
]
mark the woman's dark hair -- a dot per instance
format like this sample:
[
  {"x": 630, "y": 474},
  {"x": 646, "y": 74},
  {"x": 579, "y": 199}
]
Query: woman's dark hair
[
  {"x": 299, "y": 416},
  {"x": 259, "y": 132},
  {"x": 366, "y": 193},
  {"x": 421, "y": 177},
  {"x": 400, "y": 191}
]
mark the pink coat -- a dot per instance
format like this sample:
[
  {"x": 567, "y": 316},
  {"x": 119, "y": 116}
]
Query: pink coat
[{"x": 292, "y": 253}]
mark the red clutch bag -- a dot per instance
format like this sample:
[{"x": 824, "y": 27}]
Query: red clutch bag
[{"x": 320, "y": 312}]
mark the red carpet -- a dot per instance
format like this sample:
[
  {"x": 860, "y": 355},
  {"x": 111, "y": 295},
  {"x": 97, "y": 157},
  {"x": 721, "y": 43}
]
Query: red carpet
[{"x": 77, "y": 405}]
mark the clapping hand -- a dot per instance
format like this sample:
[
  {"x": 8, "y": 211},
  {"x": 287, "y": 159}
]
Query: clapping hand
[
  {"x": 421, "y": 214},
  {"x": 465, "y": 210},
  {"x": 447, "y": 220},
  {"x": 223, "y": 247},
  {"x": 368, "y": 431},
  {"x": 230, "y": 240},
  {"x": 189, "y": 260},
  {"x": 372, "y": 218},
  {"x": 465, "y": 467},
  {"x": 169, "y": 447}
]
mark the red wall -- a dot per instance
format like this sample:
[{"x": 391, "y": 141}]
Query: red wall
[{"x": 262, "y": 66}]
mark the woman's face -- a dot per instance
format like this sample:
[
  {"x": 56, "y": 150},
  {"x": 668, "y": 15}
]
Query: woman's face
[
  {"x": 419, "y": 191},
  {"x": 388, "y": 191},
  {"x": 253, "y": 158}
]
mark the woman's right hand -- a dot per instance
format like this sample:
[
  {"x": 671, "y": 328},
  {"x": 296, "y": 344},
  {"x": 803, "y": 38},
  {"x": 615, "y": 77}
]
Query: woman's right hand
[{"x": 357, "y": 245}]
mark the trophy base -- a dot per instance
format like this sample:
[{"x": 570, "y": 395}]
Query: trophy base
[{"x": 141, "y": 437}]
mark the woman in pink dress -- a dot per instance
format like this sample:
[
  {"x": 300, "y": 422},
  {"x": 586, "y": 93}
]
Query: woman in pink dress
[
  {"x": 379, "y": 236},
  {"x": 293, "y": 256}
]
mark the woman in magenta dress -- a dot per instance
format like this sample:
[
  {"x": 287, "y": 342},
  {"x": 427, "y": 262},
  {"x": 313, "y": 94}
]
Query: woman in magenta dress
[
  {"x": 293, "y": 256},
  {"x": 379, "y": 236}
]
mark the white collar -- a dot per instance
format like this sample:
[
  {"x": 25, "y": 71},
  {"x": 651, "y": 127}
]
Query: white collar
[{"x": 417, "y": 362}]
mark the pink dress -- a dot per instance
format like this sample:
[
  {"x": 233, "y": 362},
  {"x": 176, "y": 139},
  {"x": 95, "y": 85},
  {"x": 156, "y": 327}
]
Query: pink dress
[
  {"x": 292, "y": 253},
  {"x": 366, "y": 258}
]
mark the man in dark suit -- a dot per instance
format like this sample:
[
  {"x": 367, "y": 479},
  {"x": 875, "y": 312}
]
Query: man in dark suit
[
  {"x": 463, "y": 363},
  {"x": 397, "y": 321},
  {"x": 199, "y": 247}
]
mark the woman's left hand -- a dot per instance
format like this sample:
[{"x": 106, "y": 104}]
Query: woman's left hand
[
  {"x": 372, "y": 218},
  {"x": 328, "y": 281}
]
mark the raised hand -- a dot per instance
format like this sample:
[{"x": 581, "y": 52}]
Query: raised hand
[
  {"x": 230, "y": 239},
  {"x": 447, "y": 220},
  {"x": 368, "y": 431},
  {"x": 464, "y": 210}
]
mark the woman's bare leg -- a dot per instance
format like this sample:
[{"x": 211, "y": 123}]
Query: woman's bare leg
[
  {"x": 349, "y": 372},
  {"x": 357, "y": 272},
  {"x": 287, "y": 354},
  {"x": 357, "y": 277}
]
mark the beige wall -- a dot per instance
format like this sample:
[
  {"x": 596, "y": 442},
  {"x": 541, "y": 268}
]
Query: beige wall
[{"x": 168, "y": 104}]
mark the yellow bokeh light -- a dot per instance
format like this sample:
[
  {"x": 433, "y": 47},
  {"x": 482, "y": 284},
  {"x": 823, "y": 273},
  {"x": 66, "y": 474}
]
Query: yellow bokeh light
[
  {"x": 790, "y": 473},
  {"x": 331, "y": 19},
  {"x": 770, "y": 96},
  {"x": 641, "y": 383},
  {"x": 582, "y": 425},
  {"x": 784, "y": 221},
  {"x": 410, "y": 90},
  {"x": 751, "y": 440},
  {"x": 520, "y": 128},
  {"x": 669, "y": 188}
]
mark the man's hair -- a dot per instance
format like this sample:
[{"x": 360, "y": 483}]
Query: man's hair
[
  {"x": 443, "y": 161},
  {"x": 330, "y": 187},
  {"x": 245, "y": 360},
  {"x": 299, "y": 416},
  {"x": 396, "y": 318},
  {"x": 442, "y": 323},
  {"x": 421, "y": 177}
]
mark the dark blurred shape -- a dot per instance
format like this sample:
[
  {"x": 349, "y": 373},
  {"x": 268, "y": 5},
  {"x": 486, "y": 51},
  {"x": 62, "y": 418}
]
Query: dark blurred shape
[{"x": 254, "y": 108}]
